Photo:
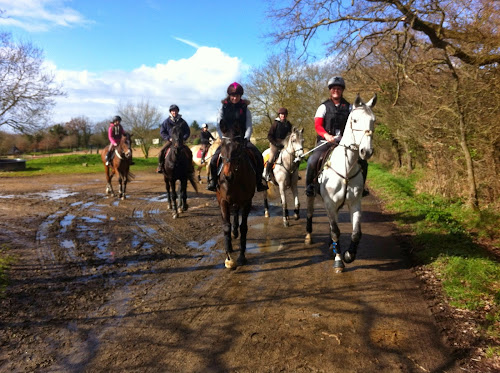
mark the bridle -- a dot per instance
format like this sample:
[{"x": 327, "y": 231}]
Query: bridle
[
  {"x": 293, "y": 155},
  {"x": 352, "y": 147}
]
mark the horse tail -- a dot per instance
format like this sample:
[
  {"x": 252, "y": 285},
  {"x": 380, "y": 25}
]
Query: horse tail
[
  {"x": 130, "y": 176},
  {"x": 192, "y": 181}
]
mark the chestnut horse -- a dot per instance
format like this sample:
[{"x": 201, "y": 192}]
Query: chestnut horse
[
  {"x": 235, "y": 191},
  {"x": 178, "y": 165},
  {"x": 119, "y": 164}
]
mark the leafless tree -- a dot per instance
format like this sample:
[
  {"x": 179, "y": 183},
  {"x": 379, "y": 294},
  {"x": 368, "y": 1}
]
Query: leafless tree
[
  {"x": 427, "y": 36},
  {"x": 141, "y": 119},
  {"x": 26, "y": 88}
]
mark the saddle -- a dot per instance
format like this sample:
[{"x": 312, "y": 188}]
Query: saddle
[{"x": 319, "y": 166}]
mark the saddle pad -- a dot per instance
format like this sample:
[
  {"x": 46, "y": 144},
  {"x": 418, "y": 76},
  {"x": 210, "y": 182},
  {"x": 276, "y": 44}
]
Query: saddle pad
[{"x": 198, "y": 153}]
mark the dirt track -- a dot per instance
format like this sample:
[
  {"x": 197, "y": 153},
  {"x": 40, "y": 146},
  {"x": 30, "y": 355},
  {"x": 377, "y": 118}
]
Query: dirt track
[{"x": 102, "y": 284}]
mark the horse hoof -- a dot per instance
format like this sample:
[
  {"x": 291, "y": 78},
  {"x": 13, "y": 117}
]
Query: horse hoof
[
  {"x": 349, "y": 256},
  {"x": 230, "y": 264},
  {"x": 266, "y": 214},
  {"x": 123, "y": 198},
  {"x": 308, "y": 239},
  {"x": 235, "y": 235},
  {"x": 241, "y": 261},
  {"x": 286, "y": 224},
  {"x": 296, "y": 217},
  {"x": 175, "y": 216}
]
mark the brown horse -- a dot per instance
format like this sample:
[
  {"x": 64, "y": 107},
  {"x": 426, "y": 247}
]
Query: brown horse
[
  {"x": 119, "y": 164},
  {"x": 178, "y": 165},
  {"x": 235, "y": 192}
]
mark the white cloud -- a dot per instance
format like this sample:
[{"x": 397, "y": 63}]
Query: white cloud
[
  {"x": 196, "y": 84},
  {"x": 39, "y": 15}
]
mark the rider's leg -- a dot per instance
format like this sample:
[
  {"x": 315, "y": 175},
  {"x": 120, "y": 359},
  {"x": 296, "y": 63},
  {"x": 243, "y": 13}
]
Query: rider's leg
[
  {"x": 161, "y": 157},
  {"x": 204, "y": 149},
  {"x": 212, "y": 184},
  {"x": 311, "y": 172},
  {"x": 270, "y": 162},
  {"x": 109, "y": 154},
  {"x": 364, "y": 171},
  {"x": 259, "y": 167}
]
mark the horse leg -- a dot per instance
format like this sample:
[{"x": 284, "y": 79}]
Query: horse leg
[
  {"x": 284, "y": 205},
  {"x": 295, "y": 193},
  {"x": 109, "y": 176},
  {"x": 183, "y": 198},
  {"x": 242, "y": 260},
  {"x": 309, "y": 220},
  {"x": 226, "y": 227},
  {"x": 266, "y": 205},
  {"x": 167, "y": 188},
  {"x": 350, "y": 254},
  {"x": 236, "y": 222},
  {"x": 332, "y": 213},
  {"x": 175, "y": 213}
]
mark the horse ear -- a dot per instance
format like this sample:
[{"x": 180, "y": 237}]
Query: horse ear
[
  {"x": 358, "y": 101},
  {"x": 373, "y": 101}
]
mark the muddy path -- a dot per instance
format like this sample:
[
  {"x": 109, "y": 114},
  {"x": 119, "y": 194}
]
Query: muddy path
[{"x": 101, "y": 284}]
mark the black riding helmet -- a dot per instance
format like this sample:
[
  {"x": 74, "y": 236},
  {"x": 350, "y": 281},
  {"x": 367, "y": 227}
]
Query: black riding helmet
[
  {"x": 173, "y": 107},
  {"x": 116, "y": 118}
]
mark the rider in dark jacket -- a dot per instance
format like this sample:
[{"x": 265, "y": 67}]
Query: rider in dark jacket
[
  {"x": 206, "y": 140},
  {"x": 175, "y": 119},
  {"x": 234, "y": 112},
  {"x": 277, "y": 133}
]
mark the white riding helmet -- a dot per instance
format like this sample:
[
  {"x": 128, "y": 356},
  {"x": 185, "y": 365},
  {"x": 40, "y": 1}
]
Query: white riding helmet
[{"x": 336, "y": 80}]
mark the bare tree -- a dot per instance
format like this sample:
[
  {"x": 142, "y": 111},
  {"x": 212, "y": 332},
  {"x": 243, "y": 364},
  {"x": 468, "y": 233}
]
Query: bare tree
[
  {"x": 26, "y": 88},
  {"x": 443, "y": 35},
  {"x": 81, "y": 128},
  {"x": 142, "y": 120},
  {"x": 286, "y": 81}
]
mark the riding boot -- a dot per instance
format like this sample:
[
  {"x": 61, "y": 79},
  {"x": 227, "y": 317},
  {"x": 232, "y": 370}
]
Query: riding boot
[
  {"x": 269, "y": 169},
  {"x": 310, "y": 188},
  {"x": 364, "y": 172},
  {"x": 261, "y": 187},
  {"x": 212, "y": 186},
  {"x": 108, "y": 157}
]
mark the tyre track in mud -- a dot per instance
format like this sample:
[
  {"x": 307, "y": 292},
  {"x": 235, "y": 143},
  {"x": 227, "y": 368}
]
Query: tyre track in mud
[{"x": 122, "y": 286}]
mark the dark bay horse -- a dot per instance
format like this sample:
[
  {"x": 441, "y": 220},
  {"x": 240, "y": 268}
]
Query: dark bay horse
[
  {"x": 178, "y": 166},
  {"x": 235, "y": 192},
  {"x": 120, "y": 165}
]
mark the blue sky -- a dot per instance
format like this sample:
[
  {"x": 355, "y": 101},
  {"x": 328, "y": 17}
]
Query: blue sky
[{"x": 109, "y": 52}]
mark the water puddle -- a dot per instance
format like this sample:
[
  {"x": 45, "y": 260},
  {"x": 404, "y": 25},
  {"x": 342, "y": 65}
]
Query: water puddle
[
  {"x": 205, "y": 247},
  {"x": 56, "y": 194},
  {"x": 7, "y": 196}
]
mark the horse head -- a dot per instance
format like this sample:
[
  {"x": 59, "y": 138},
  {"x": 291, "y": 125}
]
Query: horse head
[
  {"x": 295, "y": 143},
  {"x": 358, "y": 133},
  {"x": 124, "y": 148},
  {"x": 232, "y": 151}
]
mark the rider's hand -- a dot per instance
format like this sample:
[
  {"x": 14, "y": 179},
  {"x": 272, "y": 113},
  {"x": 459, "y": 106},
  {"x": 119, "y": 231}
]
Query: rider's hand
[{"x": 329, "y": 138}]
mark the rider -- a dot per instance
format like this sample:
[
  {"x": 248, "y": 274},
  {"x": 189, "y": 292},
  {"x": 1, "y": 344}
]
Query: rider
[
  {"x": 277, "y": 133},
  {"x": 329, "y": 123},
  {"x": 234, "y": 111},
  {"x": 175, "y": 119},
  {"x": 206, "y": 140},
  {"x": 115, "y": 133}
]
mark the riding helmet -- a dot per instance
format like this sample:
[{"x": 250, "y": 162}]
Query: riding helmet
[
  {"x": 283, "y": 110},
  {"x": 235, "y": 88},
  {"x": 336, "y": 80},
  {"x": 204, "y": 125},
  {"x": 173, "y": 107},
  {"x": 116, "y": 118}
]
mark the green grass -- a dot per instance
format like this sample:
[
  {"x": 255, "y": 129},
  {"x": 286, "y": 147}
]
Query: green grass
[
  {"x": 73, "y": 164},
  {"x": 445, "y": 235}
]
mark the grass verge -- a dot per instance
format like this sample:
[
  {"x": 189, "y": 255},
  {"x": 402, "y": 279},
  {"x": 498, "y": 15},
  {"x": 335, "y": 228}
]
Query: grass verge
[
  {"x": 445, "y": 239},
  {"x": 74, "y": 164}
]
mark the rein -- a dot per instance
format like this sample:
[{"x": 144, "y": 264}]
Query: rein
[{"x": 292, "y": 158}]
